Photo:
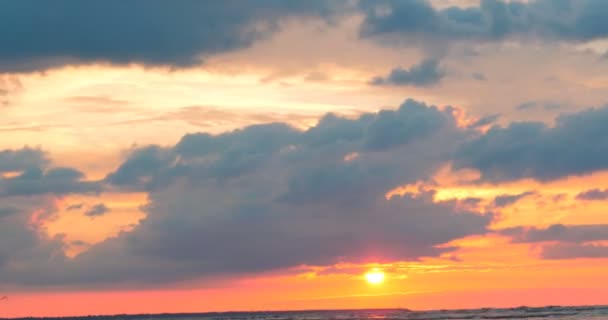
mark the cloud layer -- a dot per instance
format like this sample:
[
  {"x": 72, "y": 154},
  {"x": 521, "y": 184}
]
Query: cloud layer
[
  {"x": 564, "y": 242},
  {"x": 492, "y": 20},
  {"x": 539, "y": 151},
  {"x": 270, "y": 196},
  {"x": 426, "y": 73},
  {"x": 186, "y": 32},
  {"x": 40, "y": 35}
]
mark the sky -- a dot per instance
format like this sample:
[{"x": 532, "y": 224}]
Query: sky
[{"x": 192, "y": 156}]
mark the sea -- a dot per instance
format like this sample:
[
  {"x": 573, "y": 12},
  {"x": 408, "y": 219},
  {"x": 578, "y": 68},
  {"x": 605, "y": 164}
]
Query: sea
[{"x": 550, "y": 312}]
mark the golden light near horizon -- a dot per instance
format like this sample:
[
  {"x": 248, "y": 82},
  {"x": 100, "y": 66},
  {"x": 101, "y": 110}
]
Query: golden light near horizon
[{"x": 375, "y": 276}]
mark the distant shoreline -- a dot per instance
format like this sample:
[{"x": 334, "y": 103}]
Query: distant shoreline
[{"x": 531, "y": 312}]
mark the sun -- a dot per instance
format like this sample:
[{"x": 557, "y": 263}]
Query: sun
[{"x": 374, "y": 276}]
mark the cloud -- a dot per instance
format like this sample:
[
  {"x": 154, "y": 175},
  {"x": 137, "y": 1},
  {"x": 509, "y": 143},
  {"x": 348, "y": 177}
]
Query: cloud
[
  {"x": 36, "y": 181},
  {"x": 28, "y": 171},
  {"x": 243, "y": 150},
  {"x": 7, "y": 211},
  {"x": 574, "y": 251},
  {"x": 559, "y": 232},
  {"x": 508, "y": 199},
  {"x": 21, "y": 243},
  {"x": 141, "y": 166},
  {"x": 426, "y": 73},
  {"x": 186, "y": 235},
  {"x": 538, "y": 151},
  {"x": 564, "y": 241},
  {"x": 97, "y": 210},
  {"x": 22, "y": 159},
  {"x": 148, "y": 32},
  {"x": 593, "y": 194},
  {"x": 491, "y": 20},
  {"x": 272, "y": 197}
]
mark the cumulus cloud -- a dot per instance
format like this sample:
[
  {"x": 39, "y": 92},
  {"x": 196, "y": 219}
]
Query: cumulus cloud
[
  {"x": 270, "y": 196},
  {"x": 34, "y": 181},
  {"x": 491, "y": 20},
  {"x": 564, "y": 241},
  {"x": 21, "y": 243},
  {"x": 559, "y": 232},
  {"x": 426, "y": 73},
  {"x": 574, "y": 251},
  {"x": 29, "y": 187},
  {"x": 245, "y": 150},
  {"x": 148, "y": 32},
  {"x": 593, "y": 194},
  {"x": 22, "y": 159},
  {"x": 28, "y": 172},
  {"x": 536, "y": 150}
]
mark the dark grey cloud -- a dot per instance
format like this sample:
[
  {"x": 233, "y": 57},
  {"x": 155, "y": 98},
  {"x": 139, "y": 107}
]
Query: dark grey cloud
[
  {"x": 7, "y": 211},
  {"x": 563, "y": 241},
  {"x": 574, "y": 251},
  {"x": 28, "y": 172},
  {"x": 245, "y": 150},
  {"x": 142, "y": 164},
  {"x": 36, "y": 181},
  {"x": 593, "y": 194},
  {"x": 509, "y": 199},
  {"x": 575, "y": 145},
  {"x": 186, "y": 235},
  {"x": 491, "y": 20},
  {"x": 559, "y": 232},
  {"x": 426, "y": 73},
  {"x": 22, "y": 159},
  {"x": 21, "y": 243},
  {"x": 37, "y": 35},
  {"x": 270, "y": 196},
  {"x": 97, "y": 210}
]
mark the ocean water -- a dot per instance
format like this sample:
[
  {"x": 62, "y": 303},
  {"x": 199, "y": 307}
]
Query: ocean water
[{"x": 551, "y": 312}]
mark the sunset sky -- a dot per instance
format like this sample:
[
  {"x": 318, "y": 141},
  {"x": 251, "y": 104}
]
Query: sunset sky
[{"x": 190, "y": 156}]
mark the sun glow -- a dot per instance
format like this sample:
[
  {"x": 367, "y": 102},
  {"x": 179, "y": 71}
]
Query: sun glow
[{"x": 374, "y": 276}]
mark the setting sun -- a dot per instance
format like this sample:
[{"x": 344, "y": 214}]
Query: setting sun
[{"x": 374, "y": 276}]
